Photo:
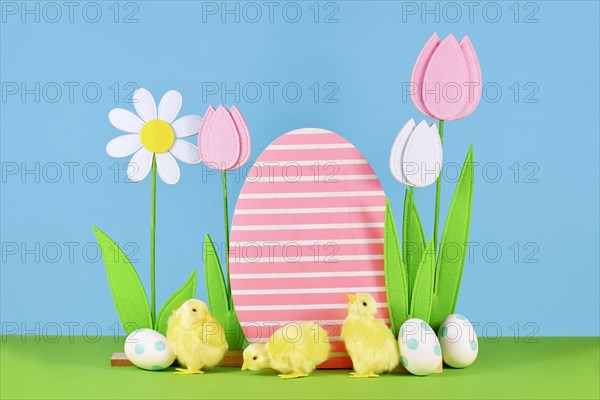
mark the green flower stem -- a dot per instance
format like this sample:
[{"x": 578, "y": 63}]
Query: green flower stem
[
  {"x": 438, "y": 190},
  {"x": 152, "y": 242},
  {"x": 226, "y": 226}
]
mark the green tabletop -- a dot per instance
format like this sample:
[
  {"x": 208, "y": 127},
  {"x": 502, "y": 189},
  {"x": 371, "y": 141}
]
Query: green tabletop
[{"x": 545, "y": 368}]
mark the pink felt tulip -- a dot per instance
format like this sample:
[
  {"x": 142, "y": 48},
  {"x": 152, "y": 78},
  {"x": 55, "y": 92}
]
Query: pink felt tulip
[
  {"x": 446, "y": 79},
  {"x": 224, "y": 140}
]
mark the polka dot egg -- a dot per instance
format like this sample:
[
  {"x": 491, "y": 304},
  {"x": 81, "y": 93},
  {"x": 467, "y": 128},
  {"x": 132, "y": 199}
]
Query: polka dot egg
[
  {"x": 420, "y": 350},
  {"x": 458, "y": 340},
  {"x": 148, "y": 349}
]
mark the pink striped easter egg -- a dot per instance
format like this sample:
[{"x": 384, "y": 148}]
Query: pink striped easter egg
[{"x": 307, "y": 230}]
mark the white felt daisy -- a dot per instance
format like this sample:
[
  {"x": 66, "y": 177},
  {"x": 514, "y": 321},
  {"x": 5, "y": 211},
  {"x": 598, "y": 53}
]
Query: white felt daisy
[{"x": 154, "y": 136}]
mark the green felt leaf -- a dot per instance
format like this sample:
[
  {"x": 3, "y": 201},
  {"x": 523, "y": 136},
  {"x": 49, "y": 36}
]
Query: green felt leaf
[
  {"x": 453, "y": 246},
  {"x": 183, "y": 294},
  {"x": 219, "y": 300},
  {"x": 422, "y": 296},
  {"x": 413, "y": 239},
  {"x": 127, "y": 289},
  {"x": 395, "y": 273}
]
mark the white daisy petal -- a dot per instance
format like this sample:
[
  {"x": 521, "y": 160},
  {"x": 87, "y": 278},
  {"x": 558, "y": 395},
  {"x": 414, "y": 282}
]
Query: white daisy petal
[
  {"x": 187, "y": 126},
  {"x": 139, "y": 165},
  {"x": 169, "y": 106},
  {"x": 144, "y": 104},
  {"x": 168, "y": 170},
  {"x": 123, "y": 146},
  {"x": 125, "y": 121},
  {"x": 185, "y": 151}
]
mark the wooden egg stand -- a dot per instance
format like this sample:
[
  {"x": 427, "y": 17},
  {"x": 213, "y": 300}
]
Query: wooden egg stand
[{"x": 233, "y": 358}]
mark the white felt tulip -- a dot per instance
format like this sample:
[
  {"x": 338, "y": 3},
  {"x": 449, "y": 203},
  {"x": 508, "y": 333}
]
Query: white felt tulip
[
  {"x": 416, "y": 156},
  {"x": 397, "y": 152}
]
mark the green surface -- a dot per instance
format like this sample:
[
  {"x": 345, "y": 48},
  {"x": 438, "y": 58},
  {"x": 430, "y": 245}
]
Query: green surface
[{"x": 564, "y": 367}]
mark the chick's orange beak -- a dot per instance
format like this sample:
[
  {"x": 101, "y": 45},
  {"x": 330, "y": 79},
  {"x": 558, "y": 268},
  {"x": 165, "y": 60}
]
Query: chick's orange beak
[
  {"x": 244, "y": 367},
  {"x": 351, "y": 297}
]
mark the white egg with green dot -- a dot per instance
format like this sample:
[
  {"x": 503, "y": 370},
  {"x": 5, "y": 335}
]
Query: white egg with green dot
[
  {"x": 148, "y": 349},
  {"x": 420, "y": 351},
  {"x": 459, "y": 341}
]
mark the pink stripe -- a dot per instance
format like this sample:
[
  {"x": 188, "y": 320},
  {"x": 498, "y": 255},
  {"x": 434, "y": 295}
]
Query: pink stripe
[
  {"x": 291, "y": 299},
  {"x": 305, "y": 283},
  {"x": 320, "y": 169},
  {"x": 259, "y": 333},
  {"x": 283, "y": 156},
  {"x": 355, "y": 201},
  {"x": 292, "y": 267},
  {"x": 265, "y": 332},
  {"x": 325, "y": 253},
  {"x": 296, "y": 315},
  {"x": 313, "y": 186},
  {"x": 315, "y": 218},
  {"x": 332, "y": 329},
  {"x": 307, "y": 234},
  {"x": 324, "y": 138}
]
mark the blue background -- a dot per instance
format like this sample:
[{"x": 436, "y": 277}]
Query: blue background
[{"x": 548, "y": 132}]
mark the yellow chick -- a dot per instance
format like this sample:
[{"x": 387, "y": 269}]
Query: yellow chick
[
  {"x": 295, "y": 350},
  {"x": 369, "y": 342},
  {"x": 196, "y": 338}
]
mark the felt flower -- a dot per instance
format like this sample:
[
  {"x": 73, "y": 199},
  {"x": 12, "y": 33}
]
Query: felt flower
[
  {"x": 446, "y": 78},
  {"x": 154, "y": 136},
  {"x": 224, "y": 145},
  {"x": 224, "y": 140},
  {"x": 416, "y": 156}
]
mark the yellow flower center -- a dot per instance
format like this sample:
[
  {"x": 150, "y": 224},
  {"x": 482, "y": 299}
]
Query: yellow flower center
[{"x": 157, "y": 136}]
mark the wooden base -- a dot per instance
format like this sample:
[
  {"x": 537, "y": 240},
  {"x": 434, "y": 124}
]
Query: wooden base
[
  {"x": 120, "y": 360},
  {"x": 233, "y": 358}
]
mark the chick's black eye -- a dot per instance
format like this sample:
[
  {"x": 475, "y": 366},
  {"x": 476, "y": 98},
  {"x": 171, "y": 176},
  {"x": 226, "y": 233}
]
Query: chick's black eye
[
  {"x": 255, "y": 357},
  {"x": 364, "y": 304},
  {"x": 193, "y": 309}
]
